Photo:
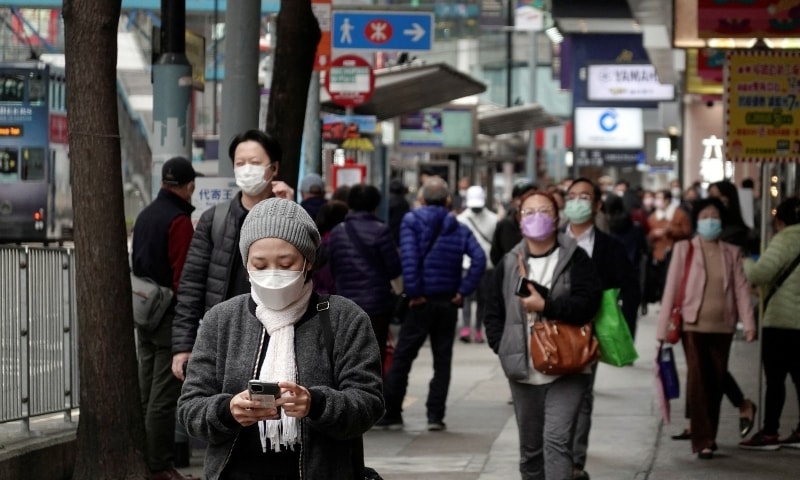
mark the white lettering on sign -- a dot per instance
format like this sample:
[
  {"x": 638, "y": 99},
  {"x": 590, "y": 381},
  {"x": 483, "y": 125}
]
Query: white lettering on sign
[{"x": 349, "y": 79}]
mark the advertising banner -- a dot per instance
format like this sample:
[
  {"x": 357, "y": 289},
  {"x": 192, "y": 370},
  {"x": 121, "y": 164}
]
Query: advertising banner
[
  {"x": 609, "y": 128},
  {"x": 762, "y": 95},
  {"x": 748, "y": 19},
  {"x": 627, "y": 83}
]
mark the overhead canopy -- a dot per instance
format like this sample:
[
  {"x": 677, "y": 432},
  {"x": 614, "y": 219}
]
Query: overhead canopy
[
  {"x": 514, "y": 119},
  {"x": 407, "y": 89}
]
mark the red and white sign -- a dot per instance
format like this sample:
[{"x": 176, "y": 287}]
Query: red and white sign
[
  {"x": 378, "y": 31},
  {"x": 350, "y": 81},
  {"x": 58, "y": 130}
]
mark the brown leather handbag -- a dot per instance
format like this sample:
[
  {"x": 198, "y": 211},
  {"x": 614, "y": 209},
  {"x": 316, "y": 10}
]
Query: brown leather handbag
[{"x": 559, "y": 348}]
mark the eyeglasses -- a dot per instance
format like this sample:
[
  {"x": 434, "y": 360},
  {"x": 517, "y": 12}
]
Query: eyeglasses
[
  {"x": 580, "y": 196},
  {"x": 530, "y": 211}
]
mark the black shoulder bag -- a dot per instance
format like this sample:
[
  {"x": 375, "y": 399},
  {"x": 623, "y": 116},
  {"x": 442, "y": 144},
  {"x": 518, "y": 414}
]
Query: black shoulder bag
[{"x": 323, "y": 309}]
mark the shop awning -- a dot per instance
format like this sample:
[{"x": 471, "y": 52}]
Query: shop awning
[
  {"x": 514, "y": 119},
  {"x": 407, "y": 89}
]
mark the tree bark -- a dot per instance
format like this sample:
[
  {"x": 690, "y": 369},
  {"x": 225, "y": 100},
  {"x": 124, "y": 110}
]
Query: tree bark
[
  {"x": 110, "y": 430},
  {"x": 298, "y": 34}
]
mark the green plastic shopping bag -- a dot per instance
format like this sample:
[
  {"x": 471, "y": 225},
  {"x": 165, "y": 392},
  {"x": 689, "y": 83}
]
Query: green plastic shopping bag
[{"x": 613, "y": 335}]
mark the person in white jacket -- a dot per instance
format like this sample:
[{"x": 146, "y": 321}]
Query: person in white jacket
[{"x": 482, "y": 222}]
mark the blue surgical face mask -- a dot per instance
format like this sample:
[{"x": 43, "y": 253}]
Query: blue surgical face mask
[{"x": 709, "y": 228}]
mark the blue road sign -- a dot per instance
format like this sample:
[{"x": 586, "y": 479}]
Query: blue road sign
[{"x": 372, "y": 30}]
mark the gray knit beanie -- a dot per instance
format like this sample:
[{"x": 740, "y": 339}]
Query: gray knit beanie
[{"x": 280, "y": 218}]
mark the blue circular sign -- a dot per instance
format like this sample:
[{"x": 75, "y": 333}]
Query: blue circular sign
[{"x": 608, "y": 121}]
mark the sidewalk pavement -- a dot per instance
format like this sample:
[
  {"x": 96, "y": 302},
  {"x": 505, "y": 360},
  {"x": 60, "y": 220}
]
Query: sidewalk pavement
[{"x": 628, "y": 439}]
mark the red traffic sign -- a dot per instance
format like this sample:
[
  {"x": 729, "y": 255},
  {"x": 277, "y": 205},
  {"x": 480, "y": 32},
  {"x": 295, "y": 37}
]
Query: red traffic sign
[{"x": 350, "y": 81}]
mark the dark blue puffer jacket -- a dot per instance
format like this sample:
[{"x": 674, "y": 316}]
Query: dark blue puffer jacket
[
  {"x": 441, "y": 272},
  {"x": 354, "y": 273}
]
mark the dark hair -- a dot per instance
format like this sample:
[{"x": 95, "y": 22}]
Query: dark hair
[
  {"x": 623, "y": 182},
  {"x": 267, "y": 142},
  {"x": 341, "y": 193},
  {"x": 596, "y": 192},
  {"x": 521, "y": 189},
  {"x": 330, "y": 215},
  {"x": 397, "y": 186},
  {"x": 708, "y": 202},
  {"x": 748, "y": 183},
  {"x": 363, "y": 198},
  {"x": 788, "y": 211},
  {"x": 733, "y": 216},
  {"x": 619, "y": 220}
]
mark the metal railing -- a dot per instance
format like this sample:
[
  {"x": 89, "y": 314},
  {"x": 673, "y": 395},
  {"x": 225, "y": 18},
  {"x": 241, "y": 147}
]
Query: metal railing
[{"x": 38, "y": 333}]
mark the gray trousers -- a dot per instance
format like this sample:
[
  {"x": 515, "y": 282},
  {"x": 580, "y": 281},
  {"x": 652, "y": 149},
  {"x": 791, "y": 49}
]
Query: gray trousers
[
  {"x": 583, "y": 424},
  {"x": 545, "y": 420}
]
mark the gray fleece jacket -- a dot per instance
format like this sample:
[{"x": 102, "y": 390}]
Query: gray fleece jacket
[{"x": 346, "y": 396}]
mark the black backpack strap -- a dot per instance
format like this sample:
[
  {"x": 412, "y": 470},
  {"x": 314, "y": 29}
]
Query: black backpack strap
[
  {"x": 323, "y": 309},
  {"x": 218, "y": 221}
]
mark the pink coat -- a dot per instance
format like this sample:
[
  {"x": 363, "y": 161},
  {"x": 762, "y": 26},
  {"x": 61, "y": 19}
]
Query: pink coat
[{"x": 737, "y": 290}]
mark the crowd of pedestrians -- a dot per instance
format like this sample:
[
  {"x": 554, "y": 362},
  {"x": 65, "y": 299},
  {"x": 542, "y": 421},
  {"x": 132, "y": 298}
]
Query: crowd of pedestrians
[{"x": 299, "y": 298}]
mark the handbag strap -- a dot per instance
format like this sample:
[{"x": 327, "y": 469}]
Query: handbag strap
[
  {"x": 686, "y": 266},
  {"x": 521, "y": 266},
  {"x": 788, "y": 271},
  {"x": 482, "y": 235}
]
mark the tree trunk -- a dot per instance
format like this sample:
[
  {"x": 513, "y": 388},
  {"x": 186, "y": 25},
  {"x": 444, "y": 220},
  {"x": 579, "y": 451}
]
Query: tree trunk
[
  {"x": 110, "y": 430},
  {"x": 298, "y": 35}
]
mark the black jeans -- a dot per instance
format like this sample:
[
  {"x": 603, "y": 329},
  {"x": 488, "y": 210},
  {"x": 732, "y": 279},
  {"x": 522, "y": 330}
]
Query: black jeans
[
  {"x": 159, "y": 393},
  {"x": 779, "y": 354},
  {"x": 436, "y": 318}
]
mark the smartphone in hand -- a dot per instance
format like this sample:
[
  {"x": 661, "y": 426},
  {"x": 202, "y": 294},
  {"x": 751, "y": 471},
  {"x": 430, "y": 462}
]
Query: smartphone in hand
[
  {"x": 264, "y": 392},
  {"x": 521, "y": 290}
]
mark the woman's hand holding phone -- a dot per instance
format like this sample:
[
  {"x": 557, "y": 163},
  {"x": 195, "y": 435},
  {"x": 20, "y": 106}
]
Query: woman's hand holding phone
[{"x": 247, "y": 411}]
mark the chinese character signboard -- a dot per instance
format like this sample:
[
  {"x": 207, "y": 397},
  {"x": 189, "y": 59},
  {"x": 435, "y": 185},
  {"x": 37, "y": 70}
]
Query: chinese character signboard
[
  {"x": 762, "y": 106},
  {"x": 748, "y": 18}
]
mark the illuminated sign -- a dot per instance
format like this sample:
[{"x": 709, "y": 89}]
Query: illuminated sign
[
  {"x": 10, "y": 131},
  {"x": 611, "y": 128},
  {"x": 629, "y": 83}
]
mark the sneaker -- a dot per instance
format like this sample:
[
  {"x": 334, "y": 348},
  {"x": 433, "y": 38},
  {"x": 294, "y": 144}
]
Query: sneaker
[
  {"x": 389, "y": 423},
  {"x": 792, "y": 441},
  {"x": 436, "y": 426},
  {"x": 479, "y": 337},
  {"x": 465, "y": 335},
  {"x": 761, "y": 441}
]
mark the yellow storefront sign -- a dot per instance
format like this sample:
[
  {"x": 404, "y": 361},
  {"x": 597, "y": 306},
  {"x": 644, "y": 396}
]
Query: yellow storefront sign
[{"x": 762, "y": 96}]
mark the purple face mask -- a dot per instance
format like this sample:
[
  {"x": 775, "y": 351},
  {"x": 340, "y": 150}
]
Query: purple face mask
[{"x": 538, "y": 226}]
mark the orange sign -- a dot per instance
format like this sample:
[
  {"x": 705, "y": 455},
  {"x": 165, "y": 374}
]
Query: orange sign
[{"x": 322, "y": 10}]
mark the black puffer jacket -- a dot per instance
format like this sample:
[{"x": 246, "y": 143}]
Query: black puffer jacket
[
  {"x": 355, "y": 271},
  {"x": 206, "y": 273}
]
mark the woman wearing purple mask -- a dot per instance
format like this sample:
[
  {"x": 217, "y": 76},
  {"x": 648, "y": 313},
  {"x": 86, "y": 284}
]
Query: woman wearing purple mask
[{"x": 568, "y": 289}]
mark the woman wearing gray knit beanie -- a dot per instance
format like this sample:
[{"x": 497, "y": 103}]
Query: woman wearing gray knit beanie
[{"x": 318, "y": 354}]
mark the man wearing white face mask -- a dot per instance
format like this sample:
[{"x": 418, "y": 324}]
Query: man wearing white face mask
[
  {"x": 615, "y": 271},
  {"x": 320, "y": 351},
  {"x": 213, "y": 270}
]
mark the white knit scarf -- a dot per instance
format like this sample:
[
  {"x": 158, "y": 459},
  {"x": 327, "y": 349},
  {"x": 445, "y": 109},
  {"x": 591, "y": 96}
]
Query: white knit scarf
[{"x": 279, "y": 364}]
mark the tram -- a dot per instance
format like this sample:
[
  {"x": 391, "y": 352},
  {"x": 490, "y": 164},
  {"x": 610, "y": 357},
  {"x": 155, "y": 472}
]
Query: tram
[{"x": 35, "y": 188}]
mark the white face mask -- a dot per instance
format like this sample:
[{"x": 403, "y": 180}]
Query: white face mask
[
  {"x": 250, "y": 178},
  {"x": 277, "y": 289}
]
